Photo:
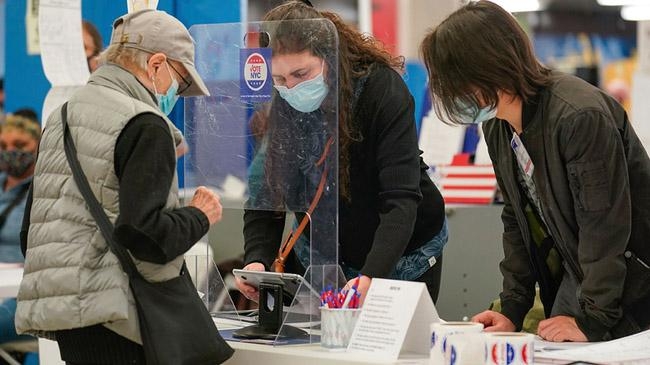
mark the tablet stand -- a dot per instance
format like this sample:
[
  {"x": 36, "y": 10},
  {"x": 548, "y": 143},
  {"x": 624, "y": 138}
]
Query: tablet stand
[{"x": 270, "y": 319}]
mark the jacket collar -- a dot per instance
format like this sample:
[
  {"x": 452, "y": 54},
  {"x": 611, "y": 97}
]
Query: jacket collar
[
  {"x": 531, "y": 110},
  {"x": 119, "y": 79}
]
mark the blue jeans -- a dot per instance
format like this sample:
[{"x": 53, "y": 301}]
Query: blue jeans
[
  {"x": 409, "y": 267},
  {"x": 7, "y": 327}
]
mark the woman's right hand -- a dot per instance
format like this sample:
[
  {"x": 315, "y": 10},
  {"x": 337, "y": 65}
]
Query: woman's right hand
[
  {"x": 208, "y": 202},
  {"x": 249, "y": 291}
]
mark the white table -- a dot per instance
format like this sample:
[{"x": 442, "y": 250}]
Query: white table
[
  {"x": 250, "y": 353},
  {"x": 10, "y": 278}
]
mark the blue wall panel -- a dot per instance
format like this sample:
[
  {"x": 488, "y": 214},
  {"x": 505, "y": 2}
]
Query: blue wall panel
[
  {"x": 2, "y": 36},
  {"x": 25, "y": 82}
]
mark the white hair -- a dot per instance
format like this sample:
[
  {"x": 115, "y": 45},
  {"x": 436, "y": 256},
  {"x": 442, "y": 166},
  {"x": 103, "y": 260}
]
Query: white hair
[{"x": 127, "y": 57}]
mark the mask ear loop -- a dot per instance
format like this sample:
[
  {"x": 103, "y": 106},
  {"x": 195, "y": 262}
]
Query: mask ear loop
[
  {"x": 171, "y": 76},
  {"x": 153, "y": 81}
]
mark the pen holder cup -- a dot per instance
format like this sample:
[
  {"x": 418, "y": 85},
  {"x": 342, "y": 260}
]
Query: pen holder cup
[{"x": 336, "y": 326}]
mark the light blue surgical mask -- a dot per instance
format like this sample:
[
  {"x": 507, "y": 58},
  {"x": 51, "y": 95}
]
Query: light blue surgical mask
[
  {"x": 167, "y": 101},
  {"x": 470, "y": 114},
  {"x": 306, "y": 96}
]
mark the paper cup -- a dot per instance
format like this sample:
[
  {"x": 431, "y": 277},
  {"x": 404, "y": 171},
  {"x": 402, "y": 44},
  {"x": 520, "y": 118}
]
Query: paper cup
[
  {"x": 336, "y": 326},
  {"x": 439, "y": 333},
  {"x": 465, "y": 349},
  {"x": 509, "y": 348}
]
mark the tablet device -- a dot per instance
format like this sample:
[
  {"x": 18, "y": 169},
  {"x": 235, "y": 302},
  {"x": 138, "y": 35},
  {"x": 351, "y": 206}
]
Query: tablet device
[{"x": 290, "y": 282}]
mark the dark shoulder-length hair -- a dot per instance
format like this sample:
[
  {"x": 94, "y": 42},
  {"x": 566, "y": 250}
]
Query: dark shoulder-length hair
[
  {"x": 356, "y": 54},
  {"x": 478, "y": 50}
]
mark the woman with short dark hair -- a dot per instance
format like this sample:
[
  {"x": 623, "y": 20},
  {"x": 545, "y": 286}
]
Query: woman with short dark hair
[{"x": 575, "y": 178}]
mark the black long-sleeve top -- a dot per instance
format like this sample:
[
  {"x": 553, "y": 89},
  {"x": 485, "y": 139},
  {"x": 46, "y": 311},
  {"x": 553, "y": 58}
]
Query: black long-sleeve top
[
  {"x": 145, "y": 161},
  {"x": 394, "y": 207}
]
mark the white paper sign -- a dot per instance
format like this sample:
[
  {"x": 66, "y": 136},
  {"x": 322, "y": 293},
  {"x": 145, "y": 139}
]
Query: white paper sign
[
  {"x": 137, "y": 5},
  {"x": 31, "y": 27},
  {"x": 622, "y": 350},
  {"x": 395, "y": 319},
  {"x": 641, "y": 107},
  {"x": 643, "y": 45},
  {"x": 439, "y": 142},
  {"x": 61, "y": 42}
]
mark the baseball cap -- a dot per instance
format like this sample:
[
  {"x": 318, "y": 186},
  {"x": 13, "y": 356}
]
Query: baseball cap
[{"x": 156, "y": 31}]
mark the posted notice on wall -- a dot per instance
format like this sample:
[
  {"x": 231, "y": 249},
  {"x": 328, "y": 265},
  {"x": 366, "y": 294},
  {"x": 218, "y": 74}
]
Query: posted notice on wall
[
  {"x": 137, "y": 5},
  {"x": 396, "y": 318},
  {"x": 61, "y": 42}
]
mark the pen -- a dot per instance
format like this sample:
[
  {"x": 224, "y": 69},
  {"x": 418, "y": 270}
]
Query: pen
[{"x": 351, "y": 293}]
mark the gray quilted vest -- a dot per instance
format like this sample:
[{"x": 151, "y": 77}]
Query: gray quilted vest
[{"x": 71, "y": 278}]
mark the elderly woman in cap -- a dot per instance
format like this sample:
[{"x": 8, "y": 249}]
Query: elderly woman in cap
[
  {"x": 19, "y": 136},
  {"x": 74, "y": 288}
]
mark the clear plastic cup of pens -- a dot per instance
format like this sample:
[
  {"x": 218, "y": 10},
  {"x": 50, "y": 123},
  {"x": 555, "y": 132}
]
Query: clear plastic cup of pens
[{"x": 336, "y": 326}]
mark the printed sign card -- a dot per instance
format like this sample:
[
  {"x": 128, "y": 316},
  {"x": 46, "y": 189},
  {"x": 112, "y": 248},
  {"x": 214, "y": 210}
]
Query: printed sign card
[
  {"x": 255, "y": 75},
  {"x": 137, "y": 5},
  {"x": 396, "y": 318}
]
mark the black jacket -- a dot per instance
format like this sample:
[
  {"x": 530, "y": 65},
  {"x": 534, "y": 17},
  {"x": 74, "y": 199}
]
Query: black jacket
[
  {"x": 395, "y": 208},
  {"x": 593, "y": 179}
]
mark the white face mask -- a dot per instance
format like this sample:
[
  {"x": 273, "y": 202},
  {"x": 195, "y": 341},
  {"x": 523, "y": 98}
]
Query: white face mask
[
  {"x": 306, "y": 96},
  {"x": 470, "y": 114}
]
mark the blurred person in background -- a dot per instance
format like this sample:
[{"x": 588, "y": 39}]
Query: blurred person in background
[
  {"x": 19, "y": 137},
  {"x": 92, "y": 44}
]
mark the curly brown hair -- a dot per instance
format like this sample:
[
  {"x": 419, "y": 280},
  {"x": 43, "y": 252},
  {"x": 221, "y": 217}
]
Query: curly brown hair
[{"x": 356, "y": 54}]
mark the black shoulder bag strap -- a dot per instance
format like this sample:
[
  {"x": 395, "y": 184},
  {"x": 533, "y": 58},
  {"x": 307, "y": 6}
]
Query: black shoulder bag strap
[
  {"x": 105, "y": 225},
  {"x": 198, "y": 341}
]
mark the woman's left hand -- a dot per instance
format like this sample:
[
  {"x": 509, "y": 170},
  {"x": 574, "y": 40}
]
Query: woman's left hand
[
  {"x": 362, "y": 287},
  {"x": 560, "y": 329}
]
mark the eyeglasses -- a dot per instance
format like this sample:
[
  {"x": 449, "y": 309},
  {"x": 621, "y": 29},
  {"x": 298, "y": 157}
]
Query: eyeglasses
[{"x": 186, "y": 84}]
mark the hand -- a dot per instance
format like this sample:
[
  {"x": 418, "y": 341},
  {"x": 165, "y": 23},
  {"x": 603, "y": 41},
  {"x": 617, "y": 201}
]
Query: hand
[
  {"x": 560, "y": 329},
  {"x": 207, "y": 201},
  {"x": 362, "y": 287},
  {"x": 249, "y": 291},
  {"x": 494, "y": 322}
]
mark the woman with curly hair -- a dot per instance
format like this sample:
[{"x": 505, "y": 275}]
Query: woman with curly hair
[{"x": 391, "y": 216}]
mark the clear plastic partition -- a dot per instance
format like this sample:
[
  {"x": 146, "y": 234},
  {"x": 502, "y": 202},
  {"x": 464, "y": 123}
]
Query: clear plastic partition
[{"x": 268, "y": 155}]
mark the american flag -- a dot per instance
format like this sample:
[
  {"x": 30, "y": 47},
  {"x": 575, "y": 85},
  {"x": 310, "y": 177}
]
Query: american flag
[{"x": 463, "y": 183}]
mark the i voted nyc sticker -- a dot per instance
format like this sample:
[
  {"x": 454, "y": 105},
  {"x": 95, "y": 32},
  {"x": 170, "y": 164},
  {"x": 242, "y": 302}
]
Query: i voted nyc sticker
[{"x": 255, "y": 75}]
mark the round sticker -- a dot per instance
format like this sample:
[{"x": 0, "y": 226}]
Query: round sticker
[{"x": 255, "y": 71}]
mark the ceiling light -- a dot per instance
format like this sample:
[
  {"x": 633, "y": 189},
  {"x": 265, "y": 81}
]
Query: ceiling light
[
  {"x": 516, "y": 6},
  {"x": 635, "y": 13},
  {"x": 623, "y": 2}
]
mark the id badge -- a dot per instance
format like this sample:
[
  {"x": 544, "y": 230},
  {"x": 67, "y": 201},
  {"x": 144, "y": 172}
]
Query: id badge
[{"x": 523, "y": 159}]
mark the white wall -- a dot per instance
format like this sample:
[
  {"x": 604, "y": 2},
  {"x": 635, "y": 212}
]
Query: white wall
[{"x": 416, "y": 17}]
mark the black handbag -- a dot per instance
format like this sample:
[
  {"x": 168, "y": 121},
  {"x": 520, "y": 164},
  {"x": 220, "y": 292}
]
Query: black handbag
[{"x": 175, "y": 325}]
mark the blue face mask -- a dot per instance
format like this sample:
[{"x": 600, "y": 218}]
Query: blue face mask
[
  {"x": 167, "y": 101},
  {"x": 306, "y": 96},
  {"x": 470, "y": 114}
]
